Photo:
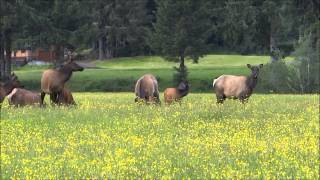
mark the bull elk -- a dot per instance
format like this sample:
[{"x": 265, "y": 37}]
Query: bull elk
[
  {"x": 53, "y": 80},
  {"x": 147, "y": 89},
  {"x": 236, "y": 87},
  {"x": 176, "y": 94}
]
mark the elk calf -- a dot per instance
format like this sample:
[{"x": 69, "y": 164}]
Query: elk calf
[
  {"x": 64, "y": 98},
  {"x": 22, "y": 97},
  {"x": 236, "y": 87},
  {"x": 176, "y": 94},
  {"x": 8, "y": 85},
  {"x": 147, "y": 89}
]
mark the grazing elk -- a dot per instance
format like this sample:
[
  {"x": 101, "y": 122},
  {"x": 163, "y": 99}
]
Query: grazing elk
[
  {"x": 8, "y": 85},
  {"x": 65, "y": 98},
  {"x": 147, "y": 89},
  {"x": 22, "y": 97},
  {"x": 236, "y": 87},
  {"x": 53, "y": 80},
  {"x": 176, "y": 94}
]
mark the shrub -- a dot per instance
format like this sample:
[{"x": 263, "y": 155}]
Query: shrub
[{"x": 274, "y": 78}]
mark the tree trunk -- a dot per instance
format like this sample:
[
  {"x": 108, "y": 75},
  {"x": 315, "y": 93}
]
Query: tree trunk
[
  {"x": 108, "y": 52},
  {"x": 7, "y": 66},
  {"x": 101, "y": 49},
  {"x": 59, "y": 54},
  {"x": 2, "y": 61},
  {"x": 273, "y": 49},
  {"x": 181, "y": 74},
  {"x": 182, "y": 66}
]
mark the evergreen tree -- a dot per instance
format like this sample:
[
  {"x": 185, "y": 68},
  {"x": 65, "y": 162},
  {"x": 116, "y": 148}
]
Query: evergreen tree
[
  {"x": 181, "y": 31},
  {"x": 121, "y": 27},
  {"x": 10, "y": 11},
  {"x": 307, "y": 55},
  {"x": 53, "y": 25}
]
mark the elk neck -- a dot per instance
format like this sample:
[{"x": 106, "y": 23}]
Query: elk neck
[
  {"x": 251, "y": 81},
  {"x": 8, "y": 87},
  {"x": 66, "y": 72},
  {"x": 184, "y": 92}
]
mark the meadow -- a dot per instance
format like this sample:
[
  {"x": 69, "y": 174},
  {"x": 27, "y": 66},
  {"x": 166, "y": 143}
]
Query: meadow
[{"x": 109, "y": 136}]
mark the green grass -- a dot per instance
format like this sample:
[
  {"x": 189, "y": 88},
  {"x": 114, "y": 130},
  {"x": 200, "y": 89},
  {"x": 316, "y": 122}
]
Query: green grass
[
  {"x": 120, "y": 74},
  {"x": 108, "y": 136}
]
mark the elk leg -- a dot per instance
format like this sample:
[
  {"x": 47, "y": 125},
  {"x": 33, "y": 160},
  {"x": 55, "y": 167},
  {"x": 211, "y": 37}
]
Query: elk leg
[
  {"x": 59, "y": 98},
  {"x": 53, "y": 98},
  {"x": 156, "y": 96},
  {"x": 157, "y": 100},
  {"x": 43, "y": 94},
  {"x": 220, "y": 99},
  {"x": 149, "y": 100},
  {"x": 244, "y": 100}
]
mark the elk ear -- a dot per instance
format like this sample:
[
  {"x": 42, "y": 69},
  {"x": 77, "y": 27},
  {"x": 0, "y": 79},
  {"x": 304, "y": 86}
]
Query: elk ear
[
  {"x": 182, "y": 86},
  {"x": 13, "y": 75},
  {"x": 67, "y": 62},
  {"x": 249, "y": 66},
  {"x": 260, "y": 66}
]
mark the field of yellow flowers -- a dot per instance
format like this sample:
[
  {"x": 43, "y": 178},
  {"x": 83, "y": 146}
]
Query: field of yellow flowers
[{"x": 108, "y": 136}]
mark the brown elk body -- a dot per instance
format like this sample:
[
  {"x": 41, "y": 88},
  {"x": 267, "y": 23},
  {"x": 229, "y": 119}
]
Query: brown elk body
[
  {"x": 65, "y": 98},
  {"x": 53, "y": 80},
  {"x": 176, "y": 94},
  {"x": 236, "y": 87},
  {"x": 22, "y": 97},
  {"x": 147, "y": 89},
  {"x": 8, "y": 85}
]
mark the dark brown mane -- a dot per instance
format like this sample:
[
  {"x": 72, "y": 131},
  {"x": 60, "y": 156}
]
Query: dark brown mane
[
  {"x": 66, "y": 71},
  {"x": 251, "y": 81}
]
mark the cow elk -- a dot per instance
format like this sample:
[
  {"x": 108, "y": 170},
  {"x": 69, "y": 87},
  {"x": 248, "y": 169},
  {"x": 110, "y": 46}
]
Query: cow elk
[
  {"x": 236, "y": 87},
  {"x": 146, "y": 89},
  {"x": 53, "y": 80}
]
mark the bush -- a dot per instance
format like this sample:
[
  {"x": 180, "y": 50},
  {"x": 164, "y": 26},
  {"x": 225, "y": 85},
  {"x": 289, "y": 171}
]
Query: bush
[
  {"x": 307, "y": 63},
  {"x": 275, "y": 77},
  {"x": 180, "y": 75}
]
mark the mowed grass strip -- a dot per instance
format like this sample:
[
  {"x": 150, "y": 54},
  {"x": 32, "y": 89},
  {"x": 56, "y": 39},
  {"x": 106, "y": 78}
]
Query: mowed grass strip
[
  {"x": 120, "y": 74},
  {"x": 108, "y": 136}
]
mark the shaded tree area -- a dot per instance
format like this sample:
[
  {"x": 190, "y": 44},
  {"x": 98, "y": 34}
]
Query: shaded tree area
[
  {"x": 176, "y": 30},
  {"x": 120, "y": 28},
  {"x": 181, "y": 32}
]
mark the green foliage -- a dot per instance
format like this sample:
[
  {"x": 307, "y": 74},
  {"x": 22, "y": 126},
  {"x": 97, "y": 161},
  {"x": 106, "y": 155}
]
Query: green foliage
[
  {"x": 121, "y": 26},
  {"x": 307, "y": 61},
  {"x": 181, "y": 29},
  {"x": 276, "y": 77},
  {"x": 181, "y": 74},
  {"x": 238, "y": 26}
]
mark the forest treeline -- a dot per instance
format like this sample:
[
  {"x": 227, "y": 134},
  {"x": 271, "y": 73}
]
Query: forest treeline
[{"x": 175, "y": 29}]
